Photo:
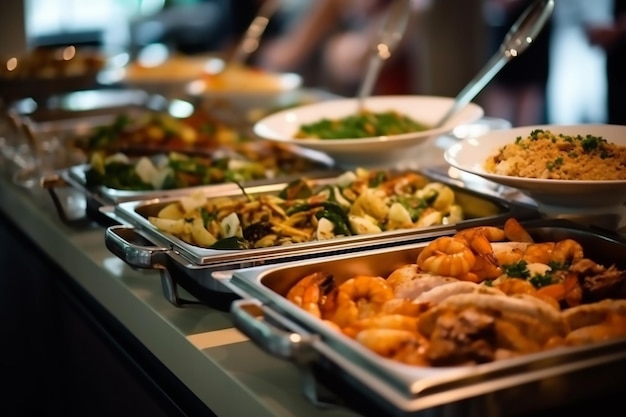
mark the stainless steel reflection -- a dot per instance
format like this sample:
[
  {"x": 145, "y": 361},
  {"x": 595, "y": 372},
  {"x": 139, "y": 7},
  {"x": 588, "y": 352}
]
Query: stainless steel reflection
[
  {"x": 209, "y": 270},
  {"x": 500, "y": 388}
]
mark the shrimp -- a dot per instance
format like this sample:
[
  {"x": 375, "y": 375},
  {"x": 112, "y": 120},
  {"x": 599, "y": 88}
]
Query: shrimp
[
  {"x": 511, "y": 286},
  {"x": 403, "y": 345},
  {"x": 567, "y": 292},
  {"x": 357, "y": 298},
  {"x": 402, "y": 306},
  {"x": 310, "y": 292},
  {"x": 564, "y": 251},
  {"x": 567, "y": 251},
  {"x": 489, "y": 233},
  {"x": 446, "y": 256},
  {"x": 515, "y": 232},
  {"x": 573, "y": 290},
  {"x": 386, "y": 321},
  {"x": 508, "y": 253},
  {"x": 400, "y": 275},
  {"x": 539, "y": 253},
  {"x": 486, "y": 268},
  {"x": 479, "y": 240}
]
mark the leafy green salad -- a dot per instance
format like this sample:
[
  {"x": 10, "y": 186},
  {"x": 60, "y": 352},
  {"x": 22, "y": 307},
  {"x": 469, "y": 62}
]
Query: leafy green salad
[
  {"x": 361, "y": 125},
  {"x": 171, "y": 171}
]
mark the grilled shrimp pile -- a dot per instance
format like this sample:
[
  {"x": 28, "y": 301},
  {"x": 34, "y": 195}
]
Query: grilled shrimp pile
[{"x": 482, "y": 295}]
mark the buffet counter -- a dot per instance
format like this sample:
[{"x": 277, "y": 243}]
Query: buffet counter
[{"x": 228, "y": 374}]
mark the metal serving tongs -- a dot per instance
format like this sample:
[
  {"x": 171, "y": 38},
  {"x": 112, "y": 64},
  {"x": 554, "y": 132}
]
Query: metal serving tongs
[
  {"x": 391, "y": 34},
  {"x": 519, "y": 37},
  {"x": 251, "y": 38}
]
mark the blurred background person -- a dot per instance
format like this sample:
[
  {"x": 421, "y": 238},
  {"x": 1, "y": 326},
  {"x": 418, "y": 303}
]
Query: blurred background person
[
  {"x": 611, "y": 37},
  {"x": 518, "y": 93},
  {"x": 193, "y": 27},
  {"x": 577, "y": 90},
  {"x": 186, "y": 27},
  {"x": 331, "y": 41}
]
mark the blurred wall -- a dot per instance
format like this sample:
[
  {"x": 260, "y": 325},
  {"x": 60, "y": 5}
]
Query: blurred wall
[
  {"x": 12, "y": 27},
  {"x": 454, "y": 45}
]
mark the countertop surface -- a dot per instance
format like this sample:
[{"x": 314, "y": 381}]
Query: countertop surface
[{"x": 197, "y": 343}]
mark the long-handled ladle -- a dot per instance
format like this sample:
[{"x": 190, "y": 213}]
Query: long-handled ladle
[
  {"x": 252, "y": 36},
  {"x": 519, "y": 38},
  {"x": 391, "y": 34}
]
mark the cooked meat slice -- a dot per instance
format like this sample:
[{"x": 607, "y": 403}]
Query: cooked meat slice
[
  {"x": 462, "y": 338},
  {"x": 586, "y": 266},
  {"x": 611, "y": 283},
  {"x": 612, "y": 327},
  {"x": 420, "y": 284},
  {"x": 592, "y": 314},
  {"x": 547, "y": 318},
  {"x": 512, "y": 339},
  {"x": 438, "y": 294}
]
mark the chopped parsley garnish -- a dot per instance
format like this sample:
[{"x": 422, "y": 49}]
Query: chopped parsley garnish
[
  {"x": 590, "y": 143},
  {"x": 558, "y": 162},
  {"x": 517, "y": 270},
  {"x": 520, "y": 270},
  {"x": 539, "y": 281}
]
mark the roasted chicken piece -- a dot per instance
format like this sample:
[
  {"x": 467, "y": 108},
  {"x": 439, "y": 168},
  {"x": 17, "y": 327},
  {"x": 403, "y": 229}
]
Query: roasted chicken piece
[
  {"x": 599, "y": 282},
  {"x": 477, "y": 328}
]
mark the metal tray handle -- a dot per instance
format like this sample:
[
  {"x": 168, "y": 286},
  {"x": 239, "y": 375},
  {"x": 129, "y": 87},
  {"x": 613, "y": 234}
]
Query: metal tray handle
[
  {"x": 50, "y": 183},
  {"x": 139, "y": 252},
  {"x": 272, "y": 333},
  {"x": 122, "y": 241},
  {"x": 284, "y": 339}
]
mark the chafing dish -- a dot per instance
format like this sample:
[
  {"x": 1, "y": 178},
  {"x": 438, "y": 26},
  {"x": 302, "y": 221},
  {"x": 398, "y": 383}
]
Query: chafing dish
[
  {"x": 523, "y": 385},
  {"x": 313, "y": 166},
  {"x": 210, "y": 268},
  {"x": 63, "y": 125}
]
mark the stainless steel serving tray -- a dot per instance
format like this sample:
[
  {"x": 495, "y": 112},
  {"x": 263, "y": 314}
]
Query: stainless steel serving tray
[
  {"x": 211, "y": 267},
  {"x": 522, "y": 385},
  {"x": 97, "y": 197},
  {"x": 47, "y": 128},
  {"x": 57, "y": 121}
]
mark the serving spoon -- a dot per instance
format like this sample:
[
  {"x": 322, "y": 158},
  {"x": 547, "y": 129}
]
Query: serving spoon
[
  {"x": 249, "y": 42},
  {"x": 391, "y": 34},
  {"x": 519, "y": 38}
]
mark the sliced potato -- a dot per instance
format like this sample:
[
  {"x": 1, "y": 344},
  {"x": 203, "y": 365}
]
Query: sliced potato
[
  {"x": 172, "y": 211},
  {"x": 200, "y": 235},
  {"x": 399, "y": 217},
  {"x": 192, "y": 202},
  {"x": 175, "y": 227}
]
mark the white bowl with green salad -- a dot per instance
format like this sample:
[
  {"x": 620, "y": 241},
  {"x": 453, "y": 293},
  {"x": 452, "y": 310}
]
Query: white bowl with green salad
[{"x": 387, "y": 131}]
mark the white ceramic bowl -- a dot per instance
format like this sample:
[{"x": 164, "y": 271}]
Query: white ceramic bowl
[
  {"x": 366, "y": 152},
  {"x": 238, "y": 93},
  {"x": 552, "y": 196},
  {"x": 206, "y": 77}
]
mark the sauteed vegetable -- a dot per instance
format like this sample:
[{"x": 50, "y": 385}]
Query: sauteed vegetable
[
  {"x": 244, "y": 162},
  {"x": 174, "y": 170},
  {"x": 358, "y": 202},
  {"x": 157, "y": 132},
  {"x": 361, "y": 125}
]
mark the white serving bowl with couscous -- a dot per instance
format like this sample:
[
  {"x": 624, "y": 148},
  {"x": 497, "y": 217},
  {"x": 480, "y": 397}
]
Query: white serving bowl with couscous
[{"x": 562, "y": 167}]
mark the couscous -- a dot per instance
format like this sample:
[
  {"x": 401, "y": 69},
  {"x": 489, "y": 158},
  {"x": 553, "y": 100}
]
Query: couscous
[{"x": 547, "y": 155}]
